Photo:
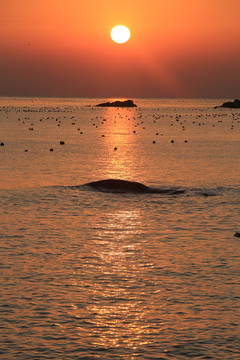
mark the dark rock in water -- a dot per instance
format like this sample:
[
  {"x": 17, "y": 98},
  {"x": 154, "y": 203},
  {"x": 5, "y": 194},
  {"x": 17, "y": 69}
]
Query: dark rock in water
[
  {"x": 231, "y": 104},
  {"x": 61, "y": 142},
  {"x": 117, "y": 185},
  {"x": 237, "y": 234},
  {"x": 125, "y": 103}
]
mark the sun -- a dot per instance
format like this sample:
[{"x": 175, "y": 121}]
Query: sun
[{"x": 120, "y": 34}]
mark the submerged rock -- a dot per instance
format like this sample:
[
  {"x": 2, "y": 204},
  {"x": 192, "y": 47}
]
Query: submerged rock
[
  {"x": 118, "y": 103},
  {"x": 231, "y": 104},
  {"x": 118, "y": 185}
]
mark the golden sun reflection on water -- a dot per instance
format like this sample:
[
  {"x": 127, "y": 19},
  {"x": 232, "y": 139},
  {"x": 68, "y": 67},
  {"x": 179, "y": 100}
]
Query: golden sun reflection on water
[
  {"x": 115, "y": 232},
  {"x": 120, "y": 143},
  {"x": 124, "y": 326},
  {"x": 119, "y": 309}
]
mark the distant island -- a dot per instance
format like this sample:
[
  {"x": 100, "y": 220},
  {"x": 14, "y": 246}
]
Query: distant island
[
  {"x": 118, "y": 103},
  {"x": 231, "y": 104}
]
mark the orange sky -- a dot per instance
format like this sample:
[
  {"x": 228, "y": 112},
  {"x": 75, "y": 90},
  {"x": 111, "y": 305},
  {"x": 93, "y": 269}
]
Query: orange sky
[{"x": 179, "y": 48}]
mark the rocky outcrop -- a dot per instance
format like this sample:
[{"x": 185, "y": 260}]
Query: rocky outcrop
[
  {"x": 231, "y": 104},
  {"x": 118, "y": 185},
  {"x": 118, "y": 103}
]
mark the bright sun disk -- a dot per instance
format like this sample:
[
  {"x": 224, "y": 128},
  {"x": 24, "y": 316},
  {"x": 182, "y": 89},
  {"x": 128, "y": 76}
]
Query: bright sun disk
[{"x": 120, "y": 34}]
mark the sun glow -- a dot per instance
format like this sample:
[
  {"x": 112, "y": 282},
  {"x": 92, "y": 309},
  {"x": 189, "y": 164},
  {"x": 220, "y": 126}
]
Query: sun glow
[{"x": 120, "y": 34}]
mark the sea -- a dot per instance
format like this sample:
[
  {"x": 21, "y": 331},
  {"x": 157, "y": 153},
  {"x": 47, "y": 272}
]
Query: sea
[{"x": 109, "y": 274}]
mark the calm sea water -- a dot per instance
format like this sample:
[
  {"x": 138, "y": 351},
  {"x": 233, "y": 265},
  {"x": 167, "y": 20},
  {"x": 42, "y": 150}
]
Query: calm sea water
[{"x": 105, "y": 275}]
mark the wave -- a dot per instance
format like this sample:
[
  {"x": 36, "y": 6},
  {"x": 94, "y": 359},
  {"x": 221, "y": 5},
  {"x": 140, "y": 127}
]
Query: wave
[{"x": 125, "y": 186}]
